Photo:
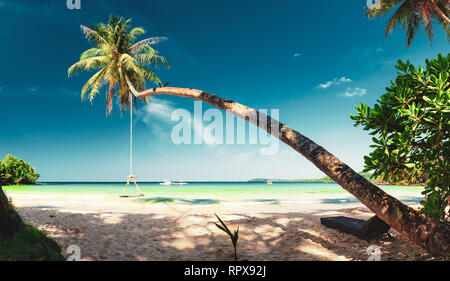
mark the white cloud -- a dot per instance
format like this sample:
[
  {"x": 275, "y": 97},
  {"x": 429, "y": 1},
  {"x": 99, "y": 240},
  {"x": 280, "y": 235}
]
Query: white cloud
[
  {"x": 156, "y": 116},
  {"x": 159, "y": 108},
  {"x": 326, "y": 85},
  {"x": 344, "y": 80},
  {"x": 352, "y": 92},
  {"x": 335, "y": 81}
]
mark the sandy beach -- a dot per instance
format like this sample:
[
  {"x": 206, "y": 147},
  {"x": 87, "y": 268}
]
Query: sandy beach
[{"x": 107, "y": 228}]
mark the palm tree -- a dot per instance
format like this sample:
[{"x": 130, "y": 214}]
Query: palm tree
[
  {"x": 428, "y": 233},
  {"x": 423, "y": 231},
  {"x": 121, "y": 64},
  {"x": 117, "y": 59},
  {"x": 411, "y": 14}
]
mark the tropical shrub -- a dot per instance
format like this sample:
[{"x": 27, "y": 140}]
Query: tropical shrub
[
  {"x": 29, "y": 244},
  {"x": 16, "y": 171},
  {"x": 234, "y": 237},
  {"x": 410, "y": 124},
  {"x": 20, "y": 241}
]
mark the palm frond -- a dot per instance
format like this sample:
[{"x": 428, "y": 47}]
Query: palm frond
[
  {"x": 91, "y": 82},
  {"x": 93, "y": 35},
  {"x": 87, "y": 65},
  {"x": 412, "y": 26},
  {"x": 411, "y": 14},
  {"x": 152, "y": 59},
  {"x": 93, "y": 52},
  {"x": 130, "y": 64},
  {"x": 116, "y": 56},
  {"x": 400, "y": 17},
  {"x": 96, "y": 87},
  {"x": 135, "y": 32},
  {"x": 146, "y": 42},
  {"x": 150, "y": 75}
]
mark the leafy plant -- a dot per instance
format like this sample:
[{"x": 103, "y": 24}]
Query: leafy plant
[
  {"x": 412, "y": 14},
  {"x": 120, "y": 61},
  {"x": 411, "y": 124},
  {"x": 29, "y": 244},
  {"x": 234, "y": 237},
  {"x": 16, "y": 171},
  {"x": 22, "y": 242}
]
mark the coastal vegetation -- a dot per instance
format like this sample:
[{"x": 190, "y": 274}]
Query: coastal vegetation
[
  {"x": 16, "y": 171},
  {"x": 412, "y": 14},
  {"x": 234, "y": 237},
  {"x": 118, "y": 66},
  {"x": 120, "y": 61},
  {"x": 410, "y": 126},
  {"x": 20, "y": 241},
  {"x": 29, "y": 244},
  {"x": 325, "y": 179},
  {"x": 420, "y": 229}
]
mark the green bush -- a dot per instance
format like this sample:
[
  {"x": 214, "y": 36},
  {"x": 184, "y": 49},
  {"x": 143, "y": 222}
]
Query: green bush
[
  {"x": 410, "y": 124},
  {"x": 22, "y": 242},
  {"x": 29, "y": 244},
  {"x": 16, "y": 171}
]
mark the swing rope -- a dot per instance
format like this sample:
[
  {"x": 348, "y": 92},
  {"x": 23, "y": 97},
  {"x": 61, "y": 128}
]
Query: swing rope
[{"x": 131, "y": 177}]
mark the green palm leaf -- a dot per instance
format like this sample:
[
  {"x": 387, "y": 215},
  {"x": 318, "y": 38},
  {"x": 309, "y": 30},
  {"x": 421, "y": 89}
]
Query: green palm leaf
[
  {"x": 117, "y": 57},
  {"x": 146, "y": 42},
  {"x": 412, "y": 14}
]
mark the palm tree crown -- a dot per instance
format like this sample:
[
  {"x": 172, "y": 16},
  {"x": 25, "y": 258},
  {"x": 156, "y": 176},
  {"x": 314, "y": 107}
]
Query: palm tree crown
[
  {"x": 411, "y": 14},
  {"x": 119, "y": 60}
]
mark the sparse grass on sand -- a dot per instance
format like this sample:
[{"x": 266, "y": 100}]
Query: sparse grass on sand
[{"x": 29, "y": 244}]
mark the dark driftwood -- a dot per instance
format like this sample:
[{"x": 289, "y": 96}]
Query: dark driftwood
[{"x": 372, "y": 228}]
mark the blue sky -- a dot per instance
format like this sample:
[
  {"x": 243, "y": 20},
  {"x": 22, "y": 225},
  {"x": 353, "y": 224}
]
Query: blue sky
[{"x": 312, "y": 60}]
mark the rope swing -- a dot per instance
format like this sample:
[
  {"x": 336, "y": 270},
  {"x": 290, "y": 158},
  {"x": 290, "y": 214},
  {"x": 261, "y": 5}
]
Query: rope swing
[{"x": 131, "y": 177}]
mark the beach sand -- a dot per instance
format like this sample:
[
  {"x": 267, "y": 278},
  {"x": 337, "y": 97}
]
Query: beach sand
[{"x": 121, "y": 229}]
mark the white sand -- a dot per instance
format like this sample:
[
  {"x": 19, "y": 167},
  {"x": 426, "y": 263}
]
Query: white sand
[{"x": 107, "y": 228}]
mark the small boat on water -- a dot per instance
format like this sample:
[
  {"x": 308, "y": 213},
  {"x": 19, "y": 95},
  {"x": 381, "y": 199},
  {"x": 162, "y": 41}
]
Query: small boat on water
[
  {"x": 179, "y": 183},
  {"x": 269, "y": 182},
  {"x": 167, "y": 182}
]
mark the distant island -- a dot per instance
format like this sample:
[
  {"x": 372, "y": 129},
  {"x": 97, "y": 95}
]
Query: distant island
[{"x": 327, "y": 179}]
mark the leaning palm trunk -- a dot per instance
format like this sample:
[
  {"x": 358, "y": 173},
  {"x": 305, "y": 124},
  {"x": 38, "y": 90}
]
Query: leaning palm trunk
[
  {"x": 439, "y": 11},
  {"x": 430, "y": 234}
]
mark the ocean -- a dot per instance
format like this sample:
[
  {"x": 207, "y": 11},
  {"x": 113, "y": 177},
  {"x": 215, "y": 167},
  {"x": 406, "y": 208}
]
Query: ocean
[{"x": 217, "y": 192}]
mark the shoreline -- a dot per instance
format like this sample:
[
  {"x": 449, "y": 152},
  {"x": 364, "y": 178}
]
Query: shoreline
[
  {"x": 296, "y": 236},
  {"x": 106, "y": 227}
]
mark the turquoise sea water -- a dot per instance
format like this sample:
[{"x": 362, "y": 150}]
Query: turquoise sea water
[{"x": 218, "y": 191}]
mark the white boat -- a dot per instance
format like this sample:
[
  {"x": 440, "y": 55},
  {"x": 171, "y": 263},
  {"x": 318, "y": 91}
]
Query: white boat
[
  {"x": 179, "y": 183},
  {"x": 167, "y": 182}
]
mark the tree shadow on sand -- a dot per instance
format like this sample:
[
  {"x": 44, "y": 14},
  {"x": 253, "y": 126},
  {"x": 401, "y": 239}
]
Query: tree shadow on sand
[
  {"x": 155, "y": 237},
  {"x": 179, "y": 200}
]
